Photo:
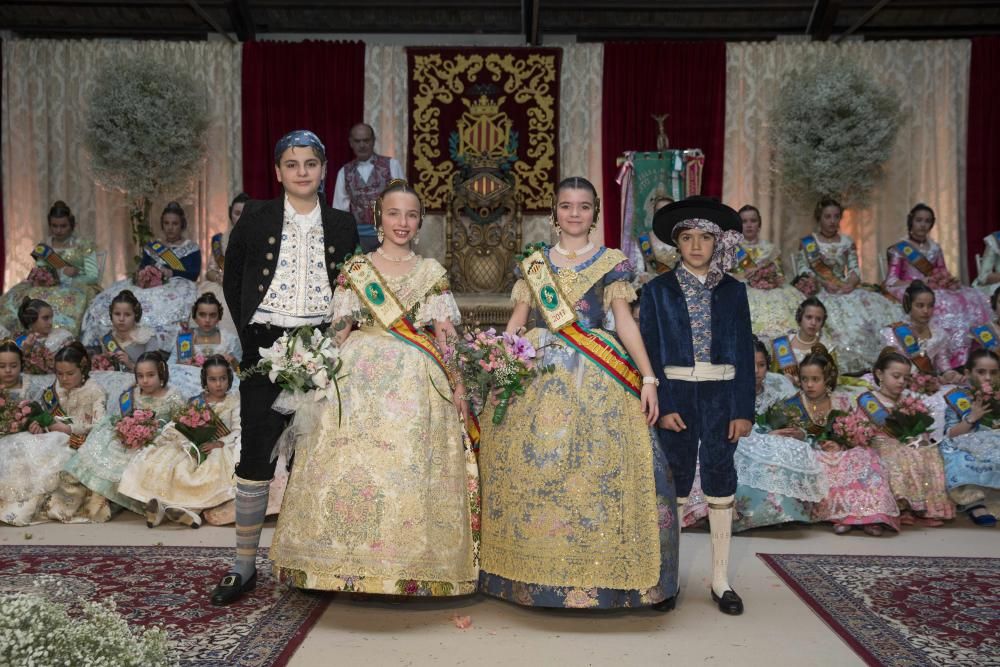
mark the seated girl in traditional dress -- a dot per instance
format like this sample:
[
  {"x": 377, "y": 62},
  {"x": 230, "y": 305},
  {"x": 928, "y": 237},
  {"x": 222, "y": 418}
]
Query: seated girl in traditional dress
[
  {"x": 68, "y": 263},
  {"x": 790, "y": 350},
  {"x": 127, "y": 339},
  {"x": 779, "y": 476},
  {"x": 917, "y": 257},
  {"x": 102, "y": 459},
  {"x": 772, "y": 300},
  {"x": 193, "y": 346},
  {"x": 989, "y": 265},
  {"x": 168, "y": 477},
  {"x": 855, "y": 315},
  {"x": 972, "y": 451},
  {"x": 32, "y": 462},
  {"x": 579, "y": 504},
  {"x": 383, "y": 497},
  {"x": 915, "y": 469},
  {"x": 928, "y": 349},
  {"x": 39, "y": 340},
  {"x": 217, "y": 260},
  {"x": 859, "y": 493},
  {"x": 165, "y": 305}
]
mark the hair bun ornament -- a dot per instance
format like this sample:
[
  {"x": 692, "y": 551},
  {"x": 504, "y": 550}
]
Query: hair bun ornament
[{"x": 888, "y": 349}]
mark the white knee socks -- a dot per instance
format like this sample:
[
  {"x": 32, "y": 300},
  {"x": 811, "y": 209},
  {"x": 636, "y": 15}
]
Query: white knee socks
[{"x": 720, "y": 521}]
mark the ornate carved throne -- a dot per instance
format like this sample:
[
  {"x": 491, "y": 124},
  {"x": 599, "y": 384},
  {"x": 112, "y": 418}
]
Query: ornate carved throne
[{"x": 483, "y": 218}]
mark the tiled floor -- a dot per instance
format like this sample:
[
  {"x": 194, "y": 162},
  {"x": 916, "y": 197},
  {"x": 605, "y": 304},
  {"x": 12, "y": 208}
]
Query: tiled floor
[{"x": 777, "y": 629}]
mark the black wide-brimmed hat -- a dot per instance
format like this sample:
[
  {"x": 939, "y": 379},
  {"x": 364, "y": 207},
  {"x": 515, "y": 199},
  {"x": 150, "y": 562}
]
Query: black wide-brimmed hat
[{"x": 704, "y": 208}]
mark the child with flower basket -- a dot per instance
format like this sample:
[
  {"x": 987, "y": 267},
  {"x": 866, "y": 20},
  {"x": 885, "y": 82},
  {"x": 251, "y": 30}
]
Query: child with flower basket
[
  {"x": 190, "y": 468},
  {"x": 40, "y": 434},
  {"x": 972, "y": 450},
  {"x": 911, "y": 460},
  {"x": 116, "y": 440}
]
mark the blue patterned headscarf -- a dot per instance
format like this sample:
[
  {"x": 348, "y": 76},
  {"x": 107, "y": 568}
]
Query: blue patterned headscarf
[{"x": 299, "y": 138}]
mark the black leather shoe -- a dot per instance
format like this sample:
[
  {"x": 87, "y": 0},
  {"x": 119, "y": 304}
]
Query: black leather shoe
[
  {"x": 730, "y": 603},
  {"x": 665, "y": 605},
  {"x": 232, "y": 588}
]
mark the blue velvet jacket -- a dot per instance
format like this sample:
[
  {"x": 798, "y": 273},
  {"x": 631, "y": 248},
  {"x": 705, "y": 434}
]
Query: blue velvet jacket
[{"x": 666, "y": 332}]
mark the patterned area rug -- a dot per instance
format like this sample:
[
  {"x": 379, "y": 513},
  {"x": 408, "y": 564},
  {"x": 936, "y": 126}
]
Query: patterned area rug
[
  {"x": 903, "y": 610},
  {"x": 169, "y": 587}
]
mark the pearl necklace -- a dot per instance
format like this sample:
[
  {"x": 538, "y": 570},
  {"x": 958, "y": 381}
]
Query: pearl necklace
[
  {"x": 804, "y": 341},
  {"x": 572, "y": 254},
  {"x": 393, "y": 259}
]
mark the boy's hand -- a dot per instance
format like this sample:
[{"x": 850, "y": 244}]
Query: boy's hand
[
  {"x": 672, "y": 422},
  {"x": 739, "y": 428}
]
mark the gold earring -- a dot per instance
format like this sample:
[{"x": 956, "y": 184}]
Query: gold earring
[{"x": 380, "y": 235}]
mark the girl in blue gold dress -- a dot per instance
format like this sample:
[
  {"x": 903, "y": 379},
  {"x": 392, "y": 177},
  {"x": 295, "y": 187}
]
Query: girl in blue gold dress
[{"x": 578, "y": 502}]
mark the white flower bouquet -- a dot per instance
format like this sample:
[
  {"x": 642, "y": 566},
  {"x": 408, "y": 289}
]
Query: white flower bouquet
[{"x": 304, "y": 363}]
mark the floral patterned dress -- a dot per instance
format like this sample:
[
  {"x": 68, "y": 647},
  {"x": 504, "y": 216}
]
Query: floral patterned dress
[
  {"x": 859, "y": 484},
  {"x": 916, "y": 474},
  {"x": 772, "y": 311},
  {"x": 853, "y": 320},
  {"x": 972, "y": 465},
  {"x": 384, "y": 496},
  {"x": 102, "y": 459},
  {"x": 30, "y": 464},
  {"x": 163, "y": 307},
  {"x": 169, "y": 472},
  {"x": 579, "y": 507},
  {"x": 70, "y": 297},
  {"x": 937, "y": 348},
  {"x": 955, "y": 310},
  {"x": 779, "y": 478}
]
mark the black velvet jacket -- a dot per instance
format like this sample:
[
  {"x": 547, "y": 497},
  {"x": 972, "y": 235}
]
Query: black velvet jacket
[
  {"x": 254, "y": 246},
  {"x": 666, "y": 332}
]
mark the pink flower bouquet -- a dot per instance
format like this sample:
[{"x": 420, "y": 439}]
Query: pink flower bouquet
[
  {"x": 853, "y": 429},
  {"x": 765, "y": 277},
  {"x": 38, "y": 359},
  {"x": 137, "y": 429},
  {"x": 989, "y": 394},
  {"x": 102, "y": 362},
  {"x": 941, "y": 279},
  {"x": 149, "y": 276},
  {"x": 491, "y": 362},
  {"x": 200, "y": 425},
  {"x": 42, "y": 277},
  {"x": 806, "y": 284},
  {"x": 16, "y": 416},
  {"x": 909, "y": 420},
  {"x": 924, "y": 383}
]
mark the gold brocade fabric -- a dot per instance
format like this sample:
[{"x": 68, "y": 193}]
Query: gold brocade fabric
[
  {"x": 387, "y": 501},
  {"x": 568, "y": 494},
  {"x": 575, "y": 284}
]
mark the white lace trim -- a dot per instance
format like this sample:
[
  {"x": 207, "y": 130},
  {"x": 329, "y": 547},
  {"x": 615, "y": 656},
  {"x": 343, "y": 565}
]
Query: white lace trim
[
  {"x": 439, "y": 307},
  {"x": 781, "y": 465}
]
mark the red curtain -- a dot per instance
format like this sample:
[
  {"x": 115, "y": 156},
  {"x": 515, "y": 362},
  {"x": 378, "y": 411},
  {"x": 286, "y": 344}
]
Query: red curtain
[
  {"x": 982, "y": 193},
  {"x": 318, "y": 86},
  {"x": 684, "y": 79}
]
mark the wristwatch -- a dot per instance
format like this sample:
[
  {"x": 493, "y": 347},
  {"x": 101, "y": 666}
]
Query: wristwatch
[
  {"x": 967, "y": 419},
  {"x": 649, "y": 379}
]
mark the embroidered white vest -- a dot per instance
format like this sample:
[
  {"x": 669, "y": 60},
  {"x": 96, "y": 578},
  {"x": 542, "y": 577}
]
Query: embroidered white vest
[{"x": 301, "y": 286}]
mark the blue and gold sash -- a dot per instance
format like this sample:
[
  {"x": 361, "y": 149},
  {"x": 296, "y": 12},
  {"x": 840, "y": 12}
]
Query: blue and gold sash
[
  {"x": 218, "y": 252},
  {"x": 126, "y": 402},
  {"x": 810, "y": 246},
  {"x": 911, "y": 347},
  {"x": 185, "y": 346},
  {"x": 50, "y": 403},
  {"x": 797, "y": 408},
  {"x": 916, "y": 258},
  {"x": 561, "y": 320},
  {"x": 743, "y": 259},
  {"x": 110, "y": 347},
  {"x": 986, "y": 336},
  {"x": 959, "y": 400},
  {"x": 46, "y": 254},
  {"x": 158, "y": 249},
  {"x": 646, "y": 246},
  {"x": 20, "y": 340},
  {"x": 784, "y": 356},
  {"x": 873, "y": 408}
]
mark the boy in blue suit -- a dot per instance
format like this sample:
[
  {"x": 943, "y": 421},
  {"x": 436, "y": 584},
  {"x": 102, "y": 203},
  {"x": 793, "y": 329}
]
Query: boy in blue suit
[{"x": 695, "y": 322}]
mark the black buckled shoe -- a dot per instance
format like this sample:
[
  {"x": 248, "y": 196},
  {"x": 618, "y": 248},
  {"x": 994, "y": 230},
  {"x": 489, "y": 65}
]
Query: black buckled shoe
[
  {"x": 665, "y": 605},
  {"x": 232, "y": 588},
  {"x": 730, "y": 603}
]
